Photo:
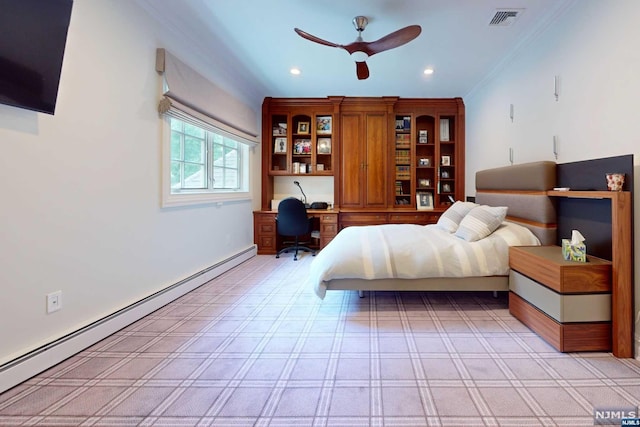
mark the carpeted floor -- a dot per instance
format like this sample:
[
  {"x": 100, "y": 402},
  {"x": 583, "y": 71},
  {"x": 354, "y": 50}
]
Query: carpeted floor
[{"x": 256, "y": 347}]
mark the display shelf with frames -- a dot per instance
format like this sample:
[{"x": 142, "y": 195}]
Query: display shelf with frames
[
  {"x": 425, "y": 156},
  {"x": 298, "y": 146}
]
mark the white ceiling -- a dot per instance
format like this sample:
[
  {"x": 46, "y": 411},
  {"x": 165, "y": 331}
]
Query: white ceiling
[{"x": 255, "y": 39}]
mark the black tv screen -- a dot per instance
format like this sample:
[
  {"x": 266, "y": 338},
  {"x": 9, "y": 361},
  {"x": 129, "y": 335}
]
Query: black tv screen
[{"x": 33, "y": 35}]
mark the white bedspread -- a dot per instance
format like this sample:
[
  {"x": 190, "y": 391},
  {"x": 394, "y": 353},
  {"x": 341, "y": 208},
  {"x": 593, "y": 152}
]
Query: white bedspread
[{"x": 409, "y": 251}]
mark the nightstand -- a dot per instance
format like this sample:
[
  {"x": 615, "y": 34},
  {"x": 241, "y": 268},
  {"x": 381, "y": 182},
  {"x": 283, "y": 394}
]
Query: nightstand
[{"x": 567, "y": 303}]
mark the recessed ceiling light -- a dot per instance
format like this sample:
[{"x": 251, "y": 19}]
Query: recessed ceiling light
[
  {"x": 428, "y": 71},
  {"x": 295, "y": 71}
]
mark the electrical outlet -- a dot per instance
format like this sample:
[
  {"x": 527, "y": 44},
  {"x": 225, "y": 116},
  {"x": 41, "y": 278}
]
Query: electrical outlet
[{"x": 54, "y": 301}]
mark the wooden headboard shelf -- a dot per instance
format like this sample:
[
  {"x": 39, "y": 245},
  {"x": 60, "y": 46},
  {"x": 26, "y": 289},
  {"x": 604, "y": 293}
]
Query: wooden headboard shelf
[{"x": 622, "y": 265}]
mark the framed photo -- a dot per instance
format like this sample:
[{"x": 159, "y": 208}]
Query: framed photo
[
  {"x": 446, "y": 188},
  {"x": 424, "y": 162},
  {"x": 323, "y": 125},
  {"x": 424, "y": 201},
  {"x": 324, "y": 145},
  {"x": 302, "y": 146},
  {"x": 444, "y": 174},
  {"x": 423, "y": 137},
  {"x": 445, "y": 161},
  {"x": 280, "y": 129},
  {"x": 303, "y": 128},
  {"x": 424, "y": 183},
  {"x": 280, "y": 145}
]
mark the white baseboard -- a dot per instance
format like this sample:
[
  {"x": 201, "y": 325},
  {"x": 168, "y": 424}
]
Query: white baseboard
[{"x": 28, "y": 365}]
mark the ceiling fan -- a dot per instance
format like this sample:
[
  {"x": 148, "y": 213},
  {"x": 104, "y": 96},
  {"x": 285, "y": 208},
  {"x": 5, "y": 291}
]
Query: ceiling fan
[{"x": 361, "y": 50}]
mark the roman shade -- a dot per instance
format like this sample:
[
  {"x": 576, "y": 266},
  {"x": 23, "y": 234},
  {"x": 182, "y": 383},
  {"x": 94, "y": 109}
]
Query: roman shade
[{"x": 190, "y": 97}]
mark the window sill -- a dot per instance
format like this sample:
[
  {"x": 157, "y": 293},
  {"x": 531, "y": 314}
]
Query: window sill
[{"x": 192, "y": 199}]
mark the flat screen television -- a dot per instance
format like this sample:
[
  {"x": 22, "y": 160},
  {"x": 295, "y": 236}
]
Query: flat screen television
[{"x": 33, "y": 35}]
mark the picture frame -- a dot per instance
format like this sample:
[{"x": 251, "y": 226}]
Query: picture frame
[
  {"x": 424, "y": 183},
  {"x": 445, "y": 161},
  {"x": 426, "y": 161},
  {"x": 303, "y": 128},
  {"x": 279, "y": 129},
  {"x": 302, "y": 146},
  {"x": 280, "y": 145},
  {"x": 324, "y": 146},
  {"x": 446, "y": 187},
  {"x": 323, "y": 125},
  {"x": 423, "y": 137},
  {"x": 444, "y": 174},
  {"x": 424, "y": 201}
]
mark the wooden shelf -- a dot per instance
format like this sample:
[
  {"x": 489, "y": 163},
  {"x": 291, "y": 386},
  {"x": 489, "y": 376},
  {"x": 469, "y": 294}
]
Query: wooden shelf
[
  {"x": 588, "y": 194},
  {"x": 622, "y": 264}
]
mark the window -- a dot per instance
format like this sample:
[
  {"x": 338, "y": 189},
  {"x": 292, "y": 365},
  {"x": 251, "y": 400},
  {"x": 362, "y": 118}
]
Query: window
[{"x": 205, "y": 164}]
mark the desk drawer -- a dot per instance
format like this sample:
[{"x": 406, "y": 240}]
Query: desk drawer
[
  {"x": 328, "y": 229},
  {"x": 413, "y": 218},
  {"x": 329, "y": 218},
  {"x": 364, "y": 218}
]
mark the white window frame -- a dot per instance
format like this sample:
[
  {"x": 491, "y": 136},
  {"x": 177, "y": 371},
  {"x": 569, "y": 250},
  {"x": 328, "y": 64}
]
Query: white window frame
[{"x": 187, "y": 197}]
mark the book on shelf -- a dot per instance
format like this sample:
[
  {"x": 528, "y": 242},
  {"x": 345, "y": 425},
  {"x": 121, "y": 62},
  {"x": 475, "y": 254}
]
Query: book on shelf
[
  {"x": 406, "y": 123},
  {"x": 403, "y": 140},
  {"x": 444, "y": 130},
  {"x": 399, "y": 190},
  {"x": 403, "y": 172},
  {"x": 403, "y": 156}
]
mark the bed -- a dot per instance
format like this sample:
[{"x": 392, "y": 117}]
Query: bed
[{"x": 403, "y": 257}]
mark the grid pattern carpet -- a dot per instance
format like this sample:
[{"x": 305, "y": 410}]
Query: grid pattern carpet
[{"x": 256, "y": 347}]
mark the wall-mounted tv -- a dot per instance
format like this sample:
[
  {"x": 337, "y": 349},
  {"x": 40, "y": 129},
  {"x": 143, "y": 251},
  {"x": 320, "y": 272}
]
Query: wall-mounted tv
[{"x": 33, "y": 35}]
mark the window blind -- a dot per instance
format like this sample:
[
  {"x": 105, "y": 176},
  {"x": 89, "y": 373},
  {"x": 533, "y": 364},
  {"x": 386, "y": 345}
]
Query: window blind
[{"x": 190, "y": 97}]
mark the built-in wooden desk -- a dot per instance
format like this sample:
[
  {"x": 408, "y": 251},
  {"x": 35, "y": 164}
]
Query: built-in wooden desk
[{"x": 266, "y": 237}]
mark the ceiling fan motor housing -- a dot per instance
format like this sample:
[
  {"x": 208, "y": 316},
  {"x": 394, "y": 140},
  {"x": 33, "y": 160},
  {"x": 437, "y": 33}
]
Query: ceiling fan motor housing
[{"x": 360, "y": 22}]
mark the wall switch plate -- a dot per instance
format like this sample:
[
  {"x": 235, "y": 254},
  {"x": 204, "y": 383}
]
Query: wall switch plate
[{"x": 54, "y": 301}]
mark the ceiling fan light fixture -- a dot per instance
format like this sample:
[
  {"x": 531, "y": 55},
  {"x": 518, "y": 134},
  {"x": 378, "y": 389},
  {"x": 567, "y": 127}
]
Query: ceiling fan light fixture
[{"x": 359, "y": 56}]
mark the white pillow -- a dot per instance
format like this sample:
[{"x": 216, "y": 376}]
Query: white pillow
[
  {"x": 450, "y": 219},
  {"x": 481, "y": 222}
]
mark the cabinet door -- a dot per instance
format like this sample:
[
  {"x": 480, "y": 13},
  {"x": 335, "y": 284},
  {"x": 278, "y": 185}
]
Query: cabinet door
[
  {"x": 351, "y": 161},
  {"x": 376, "y": 160},
  {"x": 363, "y": 161}
]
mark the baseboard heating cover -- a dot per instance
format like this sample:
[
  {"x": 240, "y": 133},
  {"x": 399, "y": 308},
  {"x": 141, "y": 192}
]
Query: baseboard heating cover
[{"x": 30, "y": 364}]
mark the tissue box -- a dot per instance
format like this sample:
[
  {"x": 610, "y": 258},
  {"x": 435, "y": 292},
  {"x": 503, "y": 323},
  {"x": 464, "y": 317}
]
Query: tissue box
[{"x": 574, "y": 252}]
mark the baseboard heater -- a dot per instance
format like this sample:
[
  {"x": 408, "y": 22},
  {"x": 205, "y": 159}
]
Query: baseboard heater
[{"x": 32, "y": 363}]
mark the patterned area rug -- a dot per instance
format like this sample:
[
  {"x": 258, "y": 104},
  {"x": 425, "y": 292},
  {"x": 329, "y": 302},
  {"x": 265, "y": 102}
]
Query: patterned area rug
[{"x": 256, "y": 347}]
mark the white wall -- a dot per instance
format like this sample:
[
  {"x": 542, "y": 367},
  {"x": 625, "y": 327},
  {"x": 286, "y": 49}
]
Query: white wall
[
  {"x": 81, "y": 194},
  {"x": 593, "y": 48}
]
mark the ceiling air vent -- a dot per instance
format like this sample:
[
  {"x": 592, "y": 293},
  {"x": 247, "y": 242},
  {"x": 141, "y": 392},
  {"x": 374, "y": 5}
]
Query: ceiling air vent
[{"x": 505, "y": 17}]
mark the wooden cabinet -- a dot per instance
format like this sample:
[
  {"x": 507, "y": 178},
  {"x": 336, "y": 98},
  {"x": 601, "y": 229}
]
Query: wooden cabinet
[
  {"x": 363, "y": 164},
  {"x": 376, "y": 165},
  {"x": 567, "y": 303}
]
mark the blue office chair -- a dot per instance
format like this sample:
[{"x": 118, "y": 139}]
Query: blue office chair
[{"x": 292, "y": 221}]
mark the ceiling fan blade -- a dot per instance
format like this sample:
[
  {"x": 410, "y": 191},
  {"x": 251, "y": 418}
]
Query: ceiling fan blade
[
  {"x": 313, "y": 38},
  {"x": 362, "y": 70},
  {"x": 395, "y": 39}
]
